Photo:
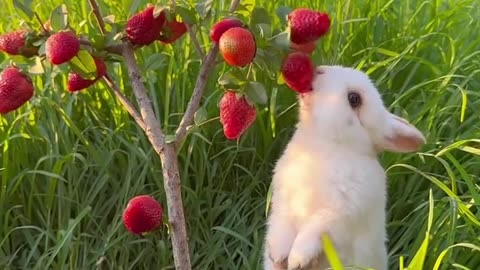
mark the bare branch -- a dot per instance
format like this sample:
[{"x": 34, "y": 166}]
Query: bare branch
[
  {"x": 115, "y": 49},
  {"x": 44, "y": 30},
  {"x": 125, "y": 102},
  {"x": 199, "y": 88},
  {"x": 197, "y": 94},
  {"x": 153, "y": 130},
  {"x": 98, "y": 15},
  {"x": 195, "y": 42},
  {"x": 168, "y": 157}
]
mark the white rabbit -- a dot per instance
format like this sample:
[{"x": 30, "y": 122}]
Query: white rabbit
[{"x": 329, "y": 180}]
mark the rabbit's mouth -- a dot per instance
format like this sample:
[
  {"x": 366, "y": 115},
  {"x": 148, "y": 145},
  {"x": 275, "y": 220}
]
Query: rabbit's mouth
[{"x": 319, "y": 72}]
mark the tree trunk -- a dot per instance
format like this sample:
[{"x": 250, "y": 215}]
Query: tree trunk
[{"x": 172, "y": 184}]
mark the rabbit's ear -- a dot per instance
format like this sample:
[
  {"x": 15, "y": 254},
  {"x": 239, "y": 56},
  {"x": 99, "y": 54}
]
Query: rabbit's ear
[{"x": 400, "y": 136}]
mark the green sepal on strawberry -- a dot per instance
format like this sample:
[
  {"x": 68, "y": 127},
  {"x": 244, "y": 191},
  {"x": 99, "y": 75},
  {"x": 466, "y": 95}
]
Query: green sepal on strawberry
[{"x": 16, "y": 89}]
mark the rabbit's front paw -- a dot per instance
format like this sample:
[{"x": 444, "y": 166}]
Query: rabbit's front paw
[
  {"x": 278, "y": 264},
  {"x": 304, "y": 253},
  {"x": 277, "y": 251},
  {"x": 279, "y": 240}
]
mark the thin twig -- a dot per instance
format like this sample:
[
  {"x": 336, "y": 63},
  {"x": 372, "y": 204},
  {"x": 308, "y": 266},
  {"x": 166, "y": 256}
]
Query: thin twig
[
  {"x": 98, "y": 15},
  {"x": 199, "y": 88},
  {"x": 125, "y": 102},
  {"x": 41, "y": 23},
  {"x": 195, "y": 42},
  {"x": 115, "y": 49},
  {"x": 197, "y": 94}
]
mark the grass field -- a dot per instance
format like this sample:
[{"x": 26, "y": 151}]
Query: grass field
[{"x": 69, "y": 163}]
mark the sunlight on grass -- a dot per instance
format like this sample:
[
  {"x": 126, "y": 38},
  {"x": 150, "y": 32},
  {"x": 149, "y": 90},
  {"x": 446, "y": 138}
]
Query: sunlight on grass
[{"x": 331, "y": 253}]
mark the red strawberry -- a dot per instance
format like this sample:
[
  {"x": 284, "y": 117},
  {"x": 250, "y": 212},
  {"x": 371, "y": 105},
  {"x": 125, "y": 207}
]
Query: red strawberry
[
  {"x": 307, "y": 25},
  {"x": 15, "y": 43},
  {"x": 236, "y": 115},
  {"x": 15, "y": 89},
  {"x": 237, "y": 46},
  {"x": 76, "y": 82},
  {"x": 298, "y": 71},
  {"x": 307, "y": 48},
  {"x": 143, "y": 28},
  {"x": 220, "y": 27},
  {"x": 172, "y": 30},
  {"x": 142, "y": 214},
  {"x": 61, "y": 47}
]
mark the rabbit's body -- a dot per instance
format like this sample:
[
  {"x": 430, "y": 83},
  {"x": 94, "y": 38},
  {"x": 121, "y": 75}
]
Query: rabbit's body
[
  {"x": 329, "y": 180},
  {"x": 308, "y": 184}
]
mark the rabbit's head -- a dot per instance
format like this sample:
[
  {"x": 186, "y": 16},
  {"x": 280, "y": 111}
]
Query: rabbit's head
[{"x": 346, "y": 109}]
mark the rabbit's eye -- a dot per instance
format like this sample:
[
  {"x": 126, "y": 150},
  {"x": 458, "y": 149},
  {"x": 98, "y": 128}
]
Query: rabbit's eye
[{"x": 354, "y": 99}]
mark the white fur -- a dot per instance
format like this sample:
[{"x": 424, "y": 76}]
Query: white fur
[{"x": 329, "y": 180}]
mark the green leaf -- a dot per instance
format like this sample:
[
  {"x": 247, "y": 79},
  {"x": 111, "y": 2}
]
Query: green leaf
[
  {"x": 133, "y": 6},
  {"x": 418, "y": 260},
  {"x": 203, "y": 7},
  {"x": 272, "y": 110},
  {"x": 110, "y": 19},
  {"x": 59, "y": 18},
  {"x": 38, "y": 68},
  {"x": 41, "y": 50},
  {"x": 188, "y": 15},
  {"x": 16, "y": 60},
  {"x": 269, "y": 200},
  {"x": 282, "y": 41},
  {"x": 24, "y": 9},
  {"x": 280, "y": 79},
  {"x": 256, "y": 92},
  {"x": 246, "y": 7},
  {"x": 230, "y": 78},
  {"x": 38, "y": 43},
  {"x": 260, "y": 16},
  {"x": 282, "y": 13},
  {"x": 155, "y": 61},
  {"x": 200, "y": 116},
  {"x": 263, "y": 30},
  {"x": 98, "y": 41},
  {"x": 444, "y": 252},
  {"x": 84, "y": 64}
]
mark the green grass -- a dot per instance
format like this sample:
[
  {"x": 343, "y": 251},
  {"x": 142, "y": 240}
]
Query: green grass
[{"x": 69, "y": 163}]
